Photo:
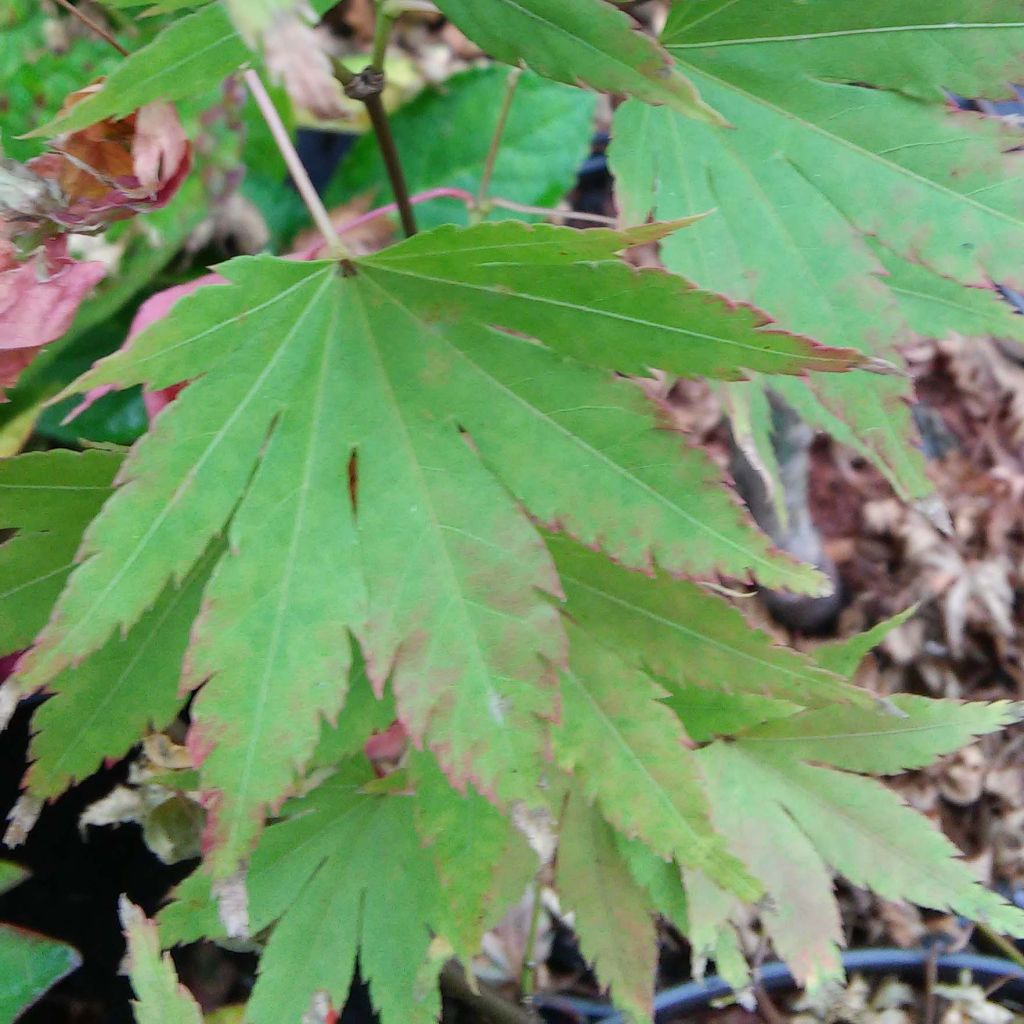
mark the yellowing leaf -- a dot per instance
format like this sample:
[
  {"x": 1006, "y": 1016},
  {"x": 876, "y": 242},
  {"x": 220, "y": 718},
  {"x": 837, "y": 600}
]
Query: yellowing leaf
[
  {"x": 612, "y": 913},
  {"x": 630, "y": 754}
]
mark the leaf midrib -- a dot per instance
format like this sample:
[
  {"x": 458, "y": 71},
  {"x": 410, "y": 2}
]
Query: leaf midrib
[
  {"x": 478, "y": 655},
  {"x": 829, "y": 362}
]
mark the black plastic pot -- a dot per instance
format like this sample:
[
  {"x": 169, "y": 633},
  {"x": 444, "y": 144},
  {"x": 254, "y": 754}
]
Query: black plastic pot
[{"x": 776, "y": 977}]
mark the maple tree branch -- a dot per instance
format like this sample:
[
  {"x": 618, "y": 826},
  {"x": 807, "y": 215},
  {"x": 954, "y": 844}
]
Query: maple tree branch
[
  {"x": 511, "y": 81},
  {"x": 335, "y": 246},
  {"x": 488, "y": 1005},
  {"x": 367, "y": 87},
  {"x": 389, "y": 152},
  {"x": 93, "y": 25}
]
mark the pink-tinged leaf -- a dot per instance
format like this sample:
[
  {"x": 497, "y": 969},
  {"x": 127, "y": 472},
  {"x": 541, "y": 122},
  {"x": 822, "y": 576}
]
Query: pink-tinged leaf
[
  {"x": 160, "y": 148},
  {"x": 155, "y": 308},
  {"x": 613, "y": 916},
  {"x": 160, "y": 997},
  {"x": 38, "y": 301}
]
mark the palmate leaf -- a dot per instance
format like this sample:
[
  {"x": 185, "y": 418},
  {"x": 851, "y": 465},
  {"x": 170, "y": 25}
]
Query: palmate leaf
[
  {"x": 361, "y": 381},
  {"x": 629, "y": 752},
  {"x": 841, "y": 131},
  {"x": 344, "y": 874},
  {"x": 578, "y": 41}
]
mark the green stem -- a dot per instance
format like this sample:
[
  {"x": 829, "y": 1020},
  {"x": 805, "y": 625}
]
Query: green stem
[
  {"x": 381, "y": 34},
  {"x": 528, "y": 975},
  {"x": 499, "y": 129}
]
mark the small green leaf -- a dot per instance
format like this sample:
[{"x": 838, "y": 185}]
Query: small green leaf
[
  {"x": 160, "y": 997},
  {"x": 843, "y": 656},
  {"x": 29, "y": 965},
  {"x": 192, "y": 54}
]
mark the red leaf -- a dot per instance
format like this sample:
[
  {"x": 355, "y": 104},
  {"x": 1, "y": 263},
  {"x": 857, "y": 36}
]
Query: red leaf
[{"x": 38, "y": 301}]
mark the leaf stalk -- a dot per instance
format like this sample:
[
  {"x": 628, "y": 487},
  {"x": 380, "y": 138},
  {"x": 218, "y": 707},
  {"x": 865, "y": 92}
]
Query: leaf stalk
[
  {"x": 367, "y": 87},
  {"x": 511, "y": 81},
  {"x": 335, "y": 247},
  {"x": 92, "y": 25}
]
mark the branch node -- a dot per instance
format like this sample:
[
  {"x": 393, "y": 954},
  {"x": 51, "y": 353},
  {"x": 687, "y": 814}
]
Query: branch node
[{"x": 365, "y": 85}]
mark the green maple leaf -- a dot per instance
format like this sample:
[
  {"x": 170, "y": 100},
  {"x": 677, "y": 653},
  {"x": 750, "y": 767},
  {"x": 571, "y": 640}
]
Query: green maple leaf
[
  {"x": 841, "y": 132},
  {"x": 308, "y": 373},
  {"x": 190, "y": 55},
  {"x": 102, "y": 707},
  {"x": 685, "y": 635},
  {"x": 612, "y": 913},
  {"x": 342, "y": 875},
  {"x": 578, "y": 41},
  {"x": 629, "y": 752},
  {"x": 789, "y": 821},
  {"x": 877, "y": 743},
  {"x": 48, "y": 498},
  {"x": 483, "y": 863},
  {"x": 161, "y": 998}
]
